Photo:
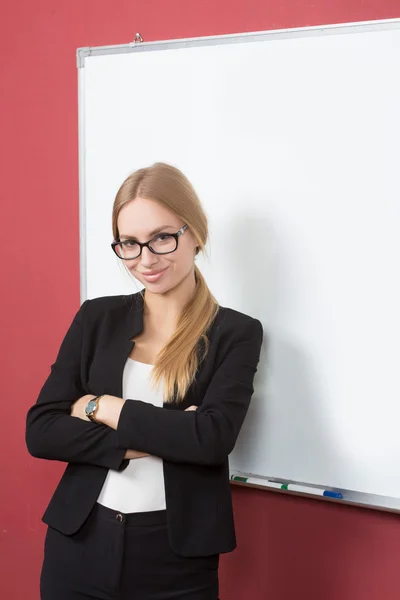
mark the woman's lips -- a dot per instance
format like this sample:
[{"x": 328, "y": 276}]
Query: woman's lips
[{"x": 154, "y": 276}]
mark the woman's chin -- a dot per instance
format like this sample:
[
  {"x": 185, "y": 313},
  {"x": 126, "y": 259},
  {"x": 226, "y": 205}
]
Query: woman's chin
[{"x": 157, "y": 288}]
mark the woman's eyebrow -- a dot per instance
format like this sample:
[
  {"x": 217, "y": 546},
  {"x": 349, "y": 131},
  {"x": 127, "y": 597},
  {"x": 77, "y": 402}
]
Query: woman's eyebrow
[{"x": 162, "y": 228}]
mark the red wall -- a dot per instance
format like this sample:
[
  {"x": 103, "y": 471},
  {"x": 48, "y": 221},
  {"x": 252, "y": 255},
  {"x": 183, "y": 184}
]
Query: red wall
[{"x": 288, "y": 547}]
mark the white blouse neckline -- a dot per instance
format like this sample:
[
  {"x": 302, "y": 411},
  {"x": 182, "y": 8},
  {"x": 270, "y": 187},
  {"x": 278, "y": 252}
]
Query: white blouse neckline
[{"x": 140, "y": 363}]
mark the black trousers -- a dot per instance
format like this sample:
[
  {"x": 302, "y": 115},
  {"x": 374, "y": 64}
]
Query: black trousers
[{"x": 123, "y": 557}]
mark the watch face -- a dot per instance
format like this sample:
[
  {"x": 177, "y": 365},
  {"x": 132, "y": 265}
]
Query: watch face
[{"x": 90, "y": 407}]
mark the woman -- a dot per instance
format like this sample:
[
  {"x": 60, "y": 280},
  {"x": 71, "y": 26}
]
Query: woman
[{"x": 145, "y": 401}]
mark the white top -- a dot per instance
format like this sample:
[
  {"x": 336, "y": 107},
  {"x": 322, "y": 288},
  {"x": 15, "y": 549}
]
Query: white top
[{"x": 140, "y": 487}]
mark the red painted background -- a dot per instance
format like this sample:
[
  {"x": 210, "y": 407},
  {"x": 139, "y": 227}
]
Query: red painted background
[{"x": 288, "y": 547}]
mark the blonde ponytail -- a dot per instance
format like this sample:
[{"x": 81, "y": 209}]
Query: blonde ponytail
[{"x": 178, "y": 361}]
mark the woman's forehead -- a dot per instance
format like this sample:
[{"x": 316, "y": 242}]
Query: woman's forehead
[{"x": 143, "y": 217}]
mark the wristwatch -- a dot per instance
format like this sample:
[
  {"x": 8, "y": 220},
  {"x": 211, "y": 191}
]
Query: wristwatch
[{"x": 91, "y": 408}]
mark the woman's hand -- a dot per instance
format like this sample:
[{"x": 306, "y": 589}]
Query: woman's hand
[
  {"x": 131, "y": 454},
  {"x": 193, "y": 407}
]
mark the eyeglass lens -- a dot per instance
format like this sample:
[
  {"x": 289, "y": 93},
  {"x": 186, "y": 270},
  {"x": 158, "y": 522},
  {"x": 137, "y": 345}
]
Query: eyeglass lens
[{"x": 161, "y": 244}]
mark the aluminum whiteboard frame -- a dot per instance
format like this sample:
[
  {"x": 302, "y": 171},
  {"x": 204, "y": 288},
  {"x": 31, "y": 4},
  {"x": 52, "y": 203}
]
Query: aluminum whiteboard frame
[{"x": 350, "y": 497}]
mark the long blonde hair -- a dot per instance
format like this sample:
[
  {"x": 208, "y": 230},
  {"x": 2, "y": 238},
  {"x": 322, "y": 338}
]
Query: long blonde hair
[{"x": 178, "y": 361}]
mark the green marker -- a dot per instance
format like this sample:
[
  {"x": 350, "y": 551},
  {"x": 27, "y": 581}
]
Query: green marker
[{"x": 261, "y": 482}]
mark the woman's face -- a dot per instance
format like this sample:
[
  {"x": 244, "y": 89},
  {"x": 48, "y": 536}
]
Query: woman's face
[{"x": 139, "y": 219}]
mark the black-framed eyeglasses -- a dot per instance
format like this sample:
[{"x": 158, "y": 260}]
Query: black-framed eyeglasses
[{"x": 162, "y": 243}]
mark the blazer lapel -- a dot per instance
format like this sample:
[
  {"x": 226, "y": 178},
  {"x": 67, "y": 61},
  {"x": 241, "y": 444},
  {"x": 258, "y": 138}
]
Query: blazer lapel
[{"x": 118, "y": 329}]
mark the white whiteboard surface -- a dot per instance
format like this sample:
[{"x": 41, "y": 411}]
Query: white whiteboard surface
[{"x": 292, "y": 142}]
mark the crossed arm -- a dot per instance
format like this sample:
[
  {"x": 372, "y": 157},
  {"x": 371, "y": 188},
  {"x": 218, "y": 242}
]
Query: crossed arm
[
  {"x": 56, "y": 428},
  {"x": 108, "y": 413}
]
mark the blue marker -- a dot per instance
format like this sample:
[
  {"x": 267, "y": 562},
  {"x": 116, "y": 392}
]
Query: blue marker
[{"x": 330, "y": 494}]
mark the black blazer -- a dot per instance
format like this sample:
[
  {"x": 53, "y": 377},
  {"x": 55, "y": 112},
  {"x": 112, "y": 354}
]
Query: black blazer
[{"x": 194, "y": 445}]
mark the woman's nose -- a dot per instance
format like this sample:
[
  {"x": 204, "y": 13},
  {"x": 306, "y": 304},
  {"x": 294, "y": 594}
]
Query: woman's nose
[{"x": 148, "y": 258}]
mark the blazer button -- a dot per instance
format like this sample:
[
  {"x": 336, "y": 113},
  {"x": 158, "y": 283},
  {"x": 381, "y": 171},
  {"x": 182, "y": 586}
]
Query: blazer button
[{"x": 119, "y": 517}]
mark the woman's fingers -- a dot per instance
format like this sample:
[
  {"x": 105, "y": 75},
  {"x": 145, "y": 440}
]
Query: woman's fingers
[
  {"x": 132, "y": 454},
  {"x": 193, "y": 407}
]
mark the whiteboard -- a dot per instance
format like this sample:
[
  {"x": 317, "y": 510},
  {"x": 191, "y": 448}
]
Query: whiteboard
[{"x": 291, "y": 139}]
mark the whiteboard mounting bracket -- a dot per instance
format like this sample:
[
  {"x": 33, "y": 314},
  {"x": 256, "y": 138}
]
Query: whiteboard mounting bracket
[
  {"x": 138, "y": 39},
  {"x": 81, "y": 54}
]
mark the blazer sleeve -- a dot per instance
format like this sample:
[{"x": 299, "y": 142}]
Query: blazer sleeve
[
  {"x": 208, "y": 435},
  {"x": 51, "y": 432}
]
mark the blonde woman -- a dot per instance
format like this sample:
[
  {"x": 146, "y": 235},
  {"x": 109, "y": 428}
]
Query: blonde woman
[{"x": 144, "y": 402}]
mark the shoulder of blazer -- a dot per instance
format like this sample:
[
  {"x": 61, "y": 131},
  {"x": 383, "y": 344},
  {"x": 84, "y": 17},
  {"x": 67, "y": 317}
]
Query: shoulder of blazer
[
  {"x": 232, "y": 328},
  {"x": 96, "y": 309},
  {"x": 229, "y": 321}
]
